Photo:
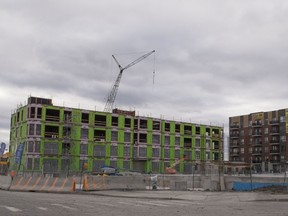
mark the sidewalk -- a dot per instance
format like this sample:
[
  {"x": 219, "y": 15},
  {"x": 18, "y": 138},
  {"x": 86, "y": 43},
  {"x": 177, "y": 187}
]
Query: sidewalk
[{"x": 194, "y": 195}]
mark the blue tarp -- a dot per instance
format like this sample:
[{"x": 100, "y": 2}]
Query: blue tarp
[{"x": 247, "y": 186}]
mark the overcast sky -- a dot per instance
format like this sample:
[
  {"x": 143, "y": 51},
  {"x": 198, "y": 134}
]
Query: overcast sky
[{"x": 213, "y": 59}]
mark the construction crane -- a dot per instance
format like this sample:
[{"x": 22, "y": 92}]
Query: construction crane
[{"x": 113, "y": 93}]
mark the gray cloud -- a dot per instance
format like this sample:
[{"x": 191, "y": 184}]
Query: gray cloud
[{"x": 213, "y": 59}]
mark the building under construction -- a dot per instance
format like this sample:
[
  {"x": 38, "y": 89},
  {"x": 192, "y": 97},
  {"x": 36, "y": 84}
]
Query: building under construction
[{"x": 59, "y": 140}]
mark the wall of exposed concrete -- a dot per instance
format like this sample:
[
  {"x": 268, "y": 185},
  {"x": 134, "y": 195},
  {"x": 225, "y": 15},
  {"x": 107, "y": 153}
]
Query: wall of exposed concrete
[
  {"x": 137, "y": 182},
  {"x": 5, "y": 182}
]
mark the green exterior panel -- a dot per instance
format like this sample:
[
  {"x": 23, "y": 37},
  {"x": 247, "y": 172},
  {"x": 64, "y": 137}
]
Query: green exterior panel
[{"x": 70, "y": 133}]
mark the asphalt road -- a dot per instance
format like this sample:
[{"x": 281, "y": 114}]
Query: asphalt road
[{"x": 214, "y": 204}]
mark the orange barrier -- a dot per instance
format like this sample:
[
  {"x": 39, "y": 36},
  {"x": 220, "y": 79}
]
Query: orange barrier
[
  {"x": 44, "y": 184},
  {"x": 94, "y": 183}
]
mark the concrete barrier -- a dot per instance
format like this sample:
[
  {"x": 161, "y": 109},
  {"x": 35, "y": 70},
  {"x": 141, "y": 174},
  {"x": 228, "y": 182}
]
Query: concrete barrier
[
  {"x": 5, "y": 182},
  {"x": 245, "y": 183},
  {"x": 43, "y": 184},
  {"x": 114, "y": 183},
  {"x": 248, "y": 186},
  {"x": 135, "y": 182}
]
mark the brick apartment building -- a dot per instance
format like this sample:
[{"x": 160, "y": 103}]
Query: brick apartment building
[{"x": 260, "y": 139}]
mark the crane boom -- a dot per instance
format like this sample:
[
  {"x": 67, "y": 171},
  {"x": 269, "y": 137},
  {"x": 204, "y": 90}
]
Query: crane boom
[{"x": 113, "y": 93}]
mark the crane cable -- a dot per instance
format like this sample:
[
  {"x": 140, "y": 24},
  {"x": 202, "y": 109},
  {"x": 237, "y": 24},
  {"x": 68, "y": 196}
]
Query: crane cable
[{"x": 154, "y": 70}]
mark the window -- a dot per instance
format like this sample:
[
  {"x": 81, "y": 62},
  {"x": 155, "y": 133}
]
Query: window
[
  {"x": 177, "y": 141},
  {"x": 113, "y": 151},
  {"x": 97, "y": 165},
  {"x": 156, "y": 125},
  {"x": 99, "y": 151},
  {"x": 187, "y": 129},
  {"x": 85, "y": 118},
  {"x": 38, "y": 129},
  {"x": 84, "y": 133},
  {"x": 197, "y": 143},
  {"x": 126, "y": 164},
  {"x": 114, "y": 121},
  {"x": 100, "y": 135},
  {"x": 100, "y": 120},
  {"x": 82, "y": 162},
  {"x": 127, "y": 137},
  {"x": 52, "y": 115},
  {"x": 126, "y": 151},
  {"x": 32, "y": 112},
  {"x": 197, "y": 155},
  {"x": 155, "y": 152},
  {"x": 143, "y": 138},
  {"x": 177, "y": 153},
  {"x": 167, "y": 140},
  {"x": 65, "y": 163},
  {"x": 50, "y": 165},
  {"x": 30, "y": 146},
  {"x": 39, "y": 112},
  {"x": 167, "y": 127},
  {"x": 207, "y": 144},
  {"x": 113, "y": 163},
  {"x": 114, "y": 136},
  {"x": 197, "y": 130},
  {"x": 29, "y": 163},
  {"x": 31, "y": 129},
  {"x": 66, "y": 148},
  {"x": 50, "y": 148},
  {"x": 83, "y": 149},
  {"x": 188, "y": 154},
  {"x": 156, "y": 139},
  {"x": 36, "y": 163},
  {"x": 187, "y": 142},
  {"x": 143, "y": 123},
  {"x": 177, "y": 128},
  {"x": 142, "y": 152},
  {"x": 37, "y": 147},
  {"x": 127, "y": 122},
  {"x": 155, "y": 166},
  {"x": 166, "y": 152}
]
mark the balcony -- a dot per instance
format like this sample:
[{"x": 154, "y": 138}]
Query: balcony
[
  {"x": 274, "y": 131},
  {"x": 274, "y": 122},
  {"x": 256, "y": 124},
  {"x": 256, "y": 143},
  {"x": 235, "y": 153},
  {"x": 275, "y": 161},
  {"x": 274, "y": 141},
  {"x": 234, "y": 126},
  {"x": 257, "y": 161},
  {"x": 274, "y": 151},
  {"x": 235, "y": 144},
  {"x": 257, "y": 153},
  {"x": 234, "y": 135},
  {"x": 259, "y": 133}
]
